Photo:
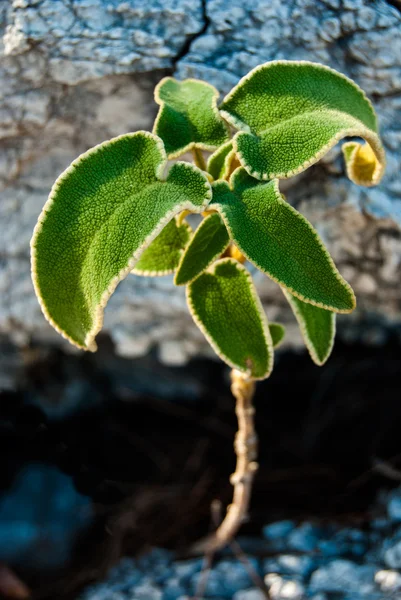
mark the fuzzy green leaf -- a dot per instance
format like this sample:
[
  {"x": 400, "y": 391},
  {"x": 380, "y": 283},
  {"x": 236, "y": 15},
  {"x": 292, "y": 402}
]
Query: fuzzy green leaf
[
  {"x": 277, "y": 333},
  {"x": 219, "y": 163},
  {"x": 291, "y": 113},
  {"x": 280, "y": 241},
  {"x": 209, "y": 241},
  {"x": 164, "y": 253},
  {"x": 103, "y": 211},
  {"x": 188, "y": 116},
  {"x": 318, "y": 328},
  {"x": 225, "y": 306}
]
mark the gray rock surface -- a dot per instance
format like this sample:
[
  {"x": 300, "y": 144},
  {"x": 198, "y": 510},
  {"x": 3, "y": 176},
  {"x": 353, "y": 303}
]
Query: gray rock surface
[
  {"x": 344, "y": 575},
  {"x": 76, "y": 72}
]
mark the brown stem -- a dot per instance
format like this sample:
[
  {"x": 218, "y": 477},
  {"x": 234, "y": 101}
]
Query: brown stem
[{"x": 246, "y": 447}]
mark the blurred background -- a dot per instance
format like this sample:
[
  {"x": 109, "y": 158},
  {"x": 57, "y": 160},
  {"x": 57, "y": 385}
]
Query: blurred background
[{"x": 110, "y": 454}]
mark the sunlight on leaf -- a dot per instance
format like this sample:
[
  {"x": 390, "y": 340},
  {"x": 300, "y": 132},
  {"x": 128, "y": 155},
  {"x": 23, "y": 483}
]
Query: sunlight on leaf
[
  {"x": 224, "y": 304},
  {"x": 290, "y": 113},
  {"x": 102, "y": 213},
  {"x": 280, "y": 241}
]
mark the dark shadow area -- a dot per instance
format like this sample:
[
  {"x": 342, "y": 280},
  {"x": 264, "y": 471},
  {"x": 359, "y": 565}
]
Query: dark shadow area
[{"x": 103, "y": 456}]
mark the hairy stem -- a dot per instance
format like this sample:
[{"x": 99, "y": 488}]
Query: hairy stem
[
  {"x": 246, "y": 448},
  {"x": 199, "y": 159}
]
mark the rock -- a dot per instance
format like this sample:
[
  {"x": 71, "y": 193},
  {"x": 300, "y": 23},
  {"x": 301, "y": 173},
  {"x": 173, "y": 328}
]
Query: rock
[
  {"x": 392, "y": 556},
  {"x": 41, "y": 516},
  {"x": 77, "y": 72},
  {"x": 389, "y": 581},
  {"x": 343, "y": 576},
  {"x": 278, "y": 530},
  {"x": 284, "y": 589},
  {"x": 290, "y": 564},
  {"x": 304, "y": 538},
  {"x": 394, "y": 507},
  {"x": 253, "y": 594}
]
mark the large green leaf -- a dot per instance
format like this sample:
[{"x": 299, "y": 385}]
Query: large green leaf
[
  {"x": 280, "y": 241},
  {"x": 318, "y": 328},
  {"x": 188, "y": 116},
  {"x": 209, "y": 241},
  {"x": 290, "y": 113},
  {"x": 103, "y": 211},
  {"x": 164, "y": 253},
  {"x": 225, "y": 306}
]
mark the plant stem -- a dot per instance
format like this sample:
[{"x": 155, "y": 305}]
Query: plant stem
[
  {"x": 246, "y": 447},
  {"x": 199, "y": 159}
]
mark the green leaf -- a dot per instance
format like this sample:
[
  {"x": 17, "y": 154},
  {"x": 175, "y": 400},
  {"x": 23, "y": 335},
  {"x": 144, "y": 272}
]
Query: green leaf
[
  {"x": 224, "y": 304},
  {"x": 290, "y": 113},
  {"x": 209, "y": 241},
  {"x": 277, "y": 333},
  {"x": 188, "y": 116},
  {"x": 219, "y": 163},
  {"x": 318, "y": 328},
  {"x": 280, "y": 241},
  {"x": 103, "y": 211},
  {"x": 164, "y": 253}
]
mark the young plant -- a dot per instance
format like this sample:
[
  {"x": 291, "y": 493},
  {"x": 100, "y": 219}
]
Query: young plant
[{"x": 121, "y": 208}]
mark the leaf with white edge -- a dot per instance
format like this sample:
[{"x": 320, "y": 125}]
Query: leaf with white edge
[
  {"x": 188, "y": 116},
  {"x": 225, "y": 305},
  {"x": 219, "y": 163},
  {"x": 209, "y": 241},
  {"x": 280, "y": 241},
  {"x": 164, "y": 253},
  {"x": 290, "y": 113},
  {"x": 277, "y": 333},
  {"x": 318, "y": 328},
  {"x": 102, "y": 213}
]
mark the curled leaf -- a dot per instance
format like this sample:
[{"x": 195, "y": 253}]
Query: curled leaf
[
  {"x": 188, "y": 116},
  {"x": 209, "y": 241},
  {"x": 224, "y": 304},
  {"x": 102, "y": 213},
  {"x": 280, "y": 241},
  {"x": 290, "y": 113}
]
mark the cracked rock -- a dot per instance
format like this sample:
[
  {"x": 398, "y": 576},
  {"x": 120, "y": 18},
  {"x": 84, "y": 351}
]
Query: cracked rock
[{"x": 76, "y": 72}]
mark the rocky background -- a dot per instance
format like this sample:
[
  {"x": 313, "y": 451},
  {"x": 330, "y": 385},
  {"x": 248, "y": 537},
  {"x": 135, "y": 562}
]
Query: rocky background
[{"x": 76, "y": 72}]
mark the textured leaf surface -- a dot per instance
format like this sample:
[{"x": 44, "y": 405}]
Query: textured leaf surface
[
  {"x": 219, "y": 163},
  {"x": 103, "y": 211},
  {"x": 225, "y": 306},
  {"x": 318, "y": 328},
  {"x": 209, "y": 241},
  {"x": 291, "y": 113},
  {"x": 188, "y": 116},
  {"x": 277, "y": 333},
  {"x": 280, "y": 241},
  {"x": 164, "y": 253}
]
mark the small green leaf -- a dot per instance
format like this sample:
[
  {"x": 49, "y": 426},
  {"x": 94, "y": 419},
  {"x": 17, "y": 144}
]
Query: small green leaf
[
  {"x": 102, "y": 213},
  {"x": 318, "y": 328},
  {"x": 277, "y": 333},
  {"x": 188, "y": 116},
  {"x": 164, "y": 253},
  {"x": 290, "y": 113},
  {"x": 280, "y": 241},
  {"x": 220, "y": 161},
  {"x": 224, "y": 304},
  {"x": 209, "y": 241}
]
